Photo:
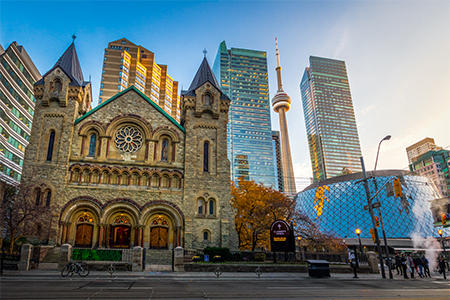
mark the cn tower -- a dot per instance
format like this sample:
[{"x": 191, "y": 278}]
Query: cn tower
[{"x": 281, "y": 103}]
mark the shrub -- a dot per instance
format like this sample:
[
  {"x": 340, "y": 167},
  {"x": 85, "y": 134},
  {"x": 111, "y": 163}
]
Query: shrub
[
  {"x": 260, "y": 257},
  {"x": 224, "y": 253}
]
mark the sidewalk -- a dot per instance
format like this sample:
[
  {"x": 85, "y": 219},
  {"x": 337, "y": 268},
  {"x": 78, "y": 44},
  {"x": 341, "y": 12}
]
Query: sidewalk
[{"x": 196, "y": 276}]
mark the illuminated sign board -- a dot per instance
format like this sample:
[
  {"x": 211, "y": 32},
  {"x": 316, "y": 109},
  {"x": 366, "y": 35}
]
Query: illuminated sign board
[{"x": 281, "y": 237}]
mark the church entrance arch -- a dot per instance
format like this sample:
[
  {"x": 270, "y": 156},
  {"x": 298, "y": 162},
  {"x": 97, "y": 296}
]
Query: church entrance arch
[
  {"x": 121, "y": 232},
  {"x": 159, "y": 233},
  {"x": 84, "y": 231}
]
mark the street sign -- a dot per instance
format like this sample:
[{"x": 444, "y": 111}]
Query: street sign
[{"x": 375, "y": 205}]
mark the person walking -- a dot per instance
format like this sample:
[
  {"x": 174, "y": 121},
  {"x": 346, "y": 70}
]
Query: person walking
[
  {"x": 398, "y": 264},
  {"x": 442, "y": 265},
  {"x": 426, "y": 268},
  {"x": 410, "y": 265},
  {"x": 419, "y": 266},
  {"x": 404, "y": 261}
]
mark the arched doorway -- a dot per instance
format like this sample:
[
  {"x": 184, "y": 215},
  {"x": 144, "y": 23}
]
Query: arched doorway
[
  {"x": 84, "y": 231},
  {"x": 121, "y": 232},
  {"x": 159, "y": 234}
]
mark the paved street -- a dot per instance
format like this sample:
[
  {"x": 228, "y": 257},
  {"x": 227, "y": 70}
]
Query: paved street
[{"x": 147, "y": 285}]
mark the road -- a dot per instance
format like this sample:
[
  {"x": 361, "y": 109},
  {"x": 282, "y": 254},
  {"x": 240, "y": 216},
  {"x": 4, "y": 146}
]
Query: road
[{"x": 229, "y": 286}]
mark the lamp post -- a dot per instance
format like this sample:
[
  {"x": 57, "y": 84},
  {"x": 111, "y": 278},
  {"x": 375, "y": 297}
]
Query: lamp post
[
  {"x": 358, "y": 232},
  {"x": 386, "y": 247},
  {"x": 372, "y": 216},
  {"x": 442, "y": 240}
]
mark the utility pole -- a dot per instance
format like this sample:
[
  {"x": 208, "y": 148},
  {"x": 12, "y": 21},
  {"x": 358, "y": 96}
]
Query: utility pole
[{"x": 369, "y": 203}]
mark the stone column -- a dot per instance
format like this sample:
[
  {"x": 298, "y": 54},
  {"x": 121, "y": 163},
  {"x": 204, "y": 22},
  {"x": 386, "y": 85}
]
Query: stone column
[
  {"x": 64, "y": 257},
  {"x": 25, "y": 257},
  {"x": 137, "y": 259},
  {"x": 178, "y": 260}
]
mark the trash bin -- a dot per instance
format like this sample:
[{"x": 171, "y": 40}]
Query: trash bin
[{"x": 318, "y": 268}]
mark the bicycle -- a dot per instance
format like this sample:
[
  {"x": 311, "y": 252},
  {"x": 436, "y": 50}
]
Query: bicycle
[{"x": 74, "y": 267}]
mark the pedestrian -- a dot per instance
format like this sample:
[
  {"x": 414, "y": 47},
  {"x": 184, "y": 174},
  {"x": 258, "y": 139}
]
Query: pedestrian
[
  {"x": 442, "y": 265},
  {"x": 398, "y": 264},
  {"x": 425, "y": 266},
  {"x": 403, "y": 261},
  {"x": 419, "y": 266},
  {"x": 410, "y": 265}
]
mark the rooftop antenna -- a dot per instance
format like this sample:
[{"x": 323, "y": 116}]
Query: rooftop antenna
[
  {"x": 204, "y": 52},
  {"x": 73, "y": 38},
  {"x": 89, "y": 77}
]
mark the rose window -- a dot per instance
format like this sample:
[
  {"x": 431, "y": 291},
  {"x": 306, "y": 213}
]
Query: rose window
[{"x": 128, "y": 139}]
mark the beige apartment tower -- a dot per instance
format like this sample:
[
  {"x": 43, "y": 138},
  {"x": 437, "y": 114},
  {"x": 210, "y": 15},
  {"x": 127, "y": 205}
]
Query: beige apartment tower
[{"x": 126, "y": 64}]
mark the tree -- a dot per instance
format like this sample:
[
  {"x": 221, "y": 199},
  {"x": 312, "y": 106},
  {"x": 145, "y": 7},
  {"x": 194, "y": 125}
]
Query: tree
[
  {"x": 257, "y": 207},
  {"x": 24, "y": 214}
]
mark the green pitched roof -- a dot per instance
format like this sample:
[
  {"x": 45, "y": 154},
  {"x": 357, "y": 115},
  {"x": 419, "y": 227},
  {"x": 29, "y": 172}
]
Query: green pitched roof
[{"x": 122, "y": 93}]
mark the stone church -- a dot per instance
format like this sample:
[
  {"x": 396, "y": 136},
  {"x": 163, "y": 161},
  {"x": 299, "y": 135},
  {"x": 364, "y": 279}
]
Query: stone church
[{"x": 125, "y": 173}]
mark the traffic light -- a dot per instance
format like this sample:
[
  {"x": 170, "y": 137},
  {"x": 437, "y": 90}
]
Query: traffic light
[
  {"x": 398, "y": 187},
  {"x": 372, "y": 234},
  {"x": 444, "y": 219},
  {"x": 377, "y": 221}
]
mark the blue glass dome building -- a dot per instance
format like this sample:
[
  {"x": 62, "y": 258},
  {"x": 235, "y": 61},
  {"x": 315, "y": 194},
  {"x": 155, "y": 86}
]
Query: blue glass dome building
[{"x": 336, "y": 205}]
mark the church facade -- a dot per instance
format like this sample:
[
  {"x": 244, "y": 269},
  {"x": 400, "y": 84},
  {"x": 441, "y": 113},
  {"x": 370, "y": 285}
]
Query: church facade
[{"x": 126, "y": 173}]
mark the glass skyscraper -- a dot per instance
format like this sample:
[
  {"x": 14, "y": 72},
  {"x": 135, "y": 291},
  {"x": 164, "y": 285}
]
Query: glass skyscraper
[
  {"x": 242, "y": 75},
  {"x": 17, "y": 76},
  {"x": 330, "y": 119}
]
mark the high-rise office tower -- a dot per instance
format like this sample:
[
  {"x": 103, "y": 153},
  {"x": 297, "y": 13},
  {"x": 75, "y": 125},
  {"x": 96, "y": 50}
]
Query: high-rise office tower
[
  {"x": 242, "y": 75},
  {"x": 17, "y": 76},
  {"x": 330, "y": 119},
  {"x": 277, "y": 163},
  {"x": 125, "y": 64},
  {"x": 281, "y": 103}
]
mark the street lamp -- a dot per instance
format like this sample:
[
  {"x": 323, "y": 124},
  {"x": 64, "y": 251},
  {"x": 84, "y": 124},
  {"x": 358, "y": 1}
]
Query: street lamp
[
  {"x": 386, "y": 138},
  {"x": 442, "y": 240},
  {"x": 358, "y": 232}
]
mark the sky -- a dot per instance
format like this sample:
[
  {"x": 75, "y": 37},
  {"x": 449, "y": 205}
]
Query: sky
[{"x": 397, "y": 54}]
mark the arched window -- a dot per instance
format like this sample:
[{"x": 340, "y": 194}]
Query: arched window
[
  {"x": 206, "y": 157},
  {"x": 135, "y": 179},
  {"x": 38, "y": 197},
  {"x": 175, "y": 182},
  {"x": 165, "y": 182},
  {"x": 206, "y": 236},
  {"x": 105, "y": 177},
  {"x": 86, "y": 175},
  {"x": 144, "y": 180},
  {"x": 207, "y": 99},
  {"x": 92, "y": 145},
  {"x": 58, "y": 85},
  {"x": 155, "y": 181},
  {"x": 165, "y": 150},
  {"x": 200, "y": 205},
  {"x": 115, "y": 178},
  {"x": 95, "y": 177},
  {"x": 49, "y": 198},
  {"x": 124, "y": 179},
  {"x": 76, "y": 175},
  {"x": 211, "y": 207},
  {"x": 51, "y": 142}
]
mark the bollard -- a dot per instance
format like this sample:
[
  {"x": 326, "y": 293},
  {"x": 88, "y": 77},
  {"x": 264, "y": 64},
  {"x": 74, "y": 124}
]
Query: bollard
[
  {"x": 218, "y": 272},
  {"x": 258, "y": 271},
  {"x": 111, "y": 270}
]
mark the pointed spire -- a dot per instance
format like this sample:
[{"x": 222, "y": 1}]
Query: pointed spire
[
  {"x": 278, "y": 68},
  {"x": 203, "y": 75}
]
